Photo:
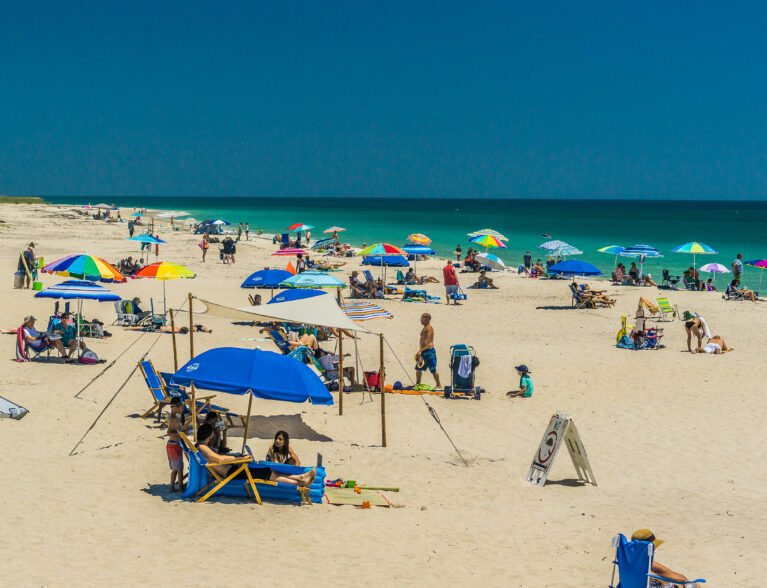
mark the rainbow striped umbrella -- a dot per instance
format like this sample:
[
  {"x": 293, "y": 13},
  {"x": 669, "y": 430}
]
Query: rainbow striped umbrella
[
  {"x": 84, "y": 267},
  {"x": 381, "y": 249},
  {"x": 334, "y": 230},
  {"x": 419, "y": 239},
  {"x": 490, "y": 232},
  {"x": 488, "y": 241},
  {"x": 163, "y": 270},
  {"x": 696, "y": 249}
]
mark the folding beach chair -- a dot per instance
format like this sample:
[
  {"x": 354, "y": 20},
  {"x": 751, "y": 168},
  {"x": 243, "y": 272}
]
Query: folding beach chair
[
  {"x": 280, "y": 341},
  {"x": 669, "y": 281},
  {"x": 633, "y": 560},
  {"x": 203, "y": 403},
  {"x": 161, "y": 396},
  {"x": 581, "y": 299},
  {"x": 665, "y": 308},
  {"x": 124, "y": 318}
]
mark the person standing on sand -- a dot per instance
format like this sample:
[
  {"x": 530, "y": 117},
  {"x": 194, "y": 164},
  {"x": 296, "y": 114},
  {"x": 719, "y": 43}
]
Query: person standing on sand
[
  {"x": 426, "y": 358},
  {"x": 246, "y": 232},
  {"x": 204, "y": 245},
  {"x": 131, "y": 228},
  {"x": 239, "y": 232},
  {"x": 527, "y": 260},
  {"x": 173, "y": 446},
  {"x": 308, "y": 237},
  {"x": 737, "y": 269},
  {"x": 451, "y": 281},
  {"x": 458, "y": 252},
  {"x": 28, "y": 265}
]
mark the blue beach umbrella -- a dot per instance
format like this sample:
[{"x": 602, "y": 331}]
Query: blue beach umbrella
[
  {"x": 416, "y": 250},
  {"x": 295, "y": 294},
  {"x": 574, "y": 267},
  {"x": 269, "y": 278},
  {"x": 312, "y": 279},
  {"x": 78, "y": 290},
  {"x": 263, "y": 374}
]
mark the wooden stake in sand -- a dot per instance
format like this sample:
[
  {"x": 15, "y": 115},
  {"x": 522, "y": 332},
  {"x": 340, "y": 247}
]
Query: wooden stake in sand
[
  {"x": 173, "y": 335},
  {"x": 340, "y": 372},
  {"x": 381, "y": 378},
  {"x": 191, "y": 330}
]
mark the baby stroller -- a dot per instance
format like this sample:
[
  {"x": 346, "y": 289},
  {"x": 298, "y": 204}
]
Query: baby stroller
[{"x": 463, "y": 364}]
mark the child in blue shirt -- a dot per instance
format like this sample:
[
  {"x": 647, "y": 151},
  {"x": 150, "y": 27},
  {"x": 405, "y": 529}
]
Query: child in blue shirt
[{"x": 525, "y": 384}]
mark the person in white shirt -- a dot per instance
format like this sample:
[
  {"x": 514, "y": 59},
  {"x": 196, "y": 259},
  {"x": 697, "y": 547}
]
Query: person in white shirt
[
  {"x": 330, "y": 363},
  {"x": 40, "y": 341}
]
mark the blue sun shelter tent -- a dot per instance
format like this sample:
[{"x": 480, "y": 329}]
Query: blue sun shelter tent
[
  {"x": 78, "y": 290},
  {"x": 386, "y": 260},
  {"x": 574, "y": 267},
  {"x": 260, "y": 374}
]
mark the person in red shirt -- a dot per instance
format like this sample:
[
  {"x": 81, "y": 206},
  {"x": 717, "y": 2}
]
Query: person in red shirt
[{"x": 451, "y": 281}]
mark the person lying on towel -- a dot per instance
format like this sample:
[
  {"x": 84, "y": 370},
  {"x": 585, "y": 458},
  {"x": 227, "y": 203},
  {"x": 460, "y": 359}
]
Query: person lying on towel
[{"x": 222, "y": 468}]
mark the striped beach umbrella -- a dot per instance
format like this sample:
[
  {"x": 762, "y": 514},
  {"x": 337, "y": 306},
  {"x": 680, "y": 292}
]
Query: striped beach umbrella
[
  {"x": 419, "y": 239},
  {"x": 641, "y": 251},
  {"x": 291, "y": 251},
  {"x": 381, "y": 249},
  {"x": 310, "y": 279},
  {"x": 334, "y": 230},
  {"x": 488, "y": 241},
  {"x": 696, "y": 249},
  {"x": 360, "y": 311},
  {"x": 615, "y": 250},
  {"x": 761, "y": 264},
  {"x": 491, "y": 232},
  {"x": 300, "y": 227},
  {"x": 84, "y": 267},
  {"x": 78, "y": 290},
  {"x": 164, "y": 270}
]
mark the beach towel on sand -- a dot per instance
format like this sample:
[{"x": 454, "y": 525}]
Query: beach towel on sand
[{"x": 21, "y": 354}]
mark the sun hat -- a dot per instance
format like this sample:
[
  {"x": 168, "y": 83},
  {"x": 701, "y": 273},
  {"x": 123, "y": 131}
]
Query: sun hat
[
  {"x": 687, "y": 315},
  {"x": 646, "y": 535},
  {"x": 522, "y": 368},
  {"x": 29, "y": 318}
]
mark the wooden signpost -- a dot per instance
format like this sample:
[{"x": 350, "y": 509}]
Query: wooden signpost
[{"x": 561, "y": 429}]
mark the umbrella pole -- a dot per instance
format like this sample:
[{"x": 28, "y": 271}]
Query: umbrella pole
[
  {"x": 191, "y": 329},
  {"x": 760, "y": 278},
  {"x": 340, "y": 372},
  {"x": 194, "y": 413},
  {"x": 164, "y": 304},
  {"x": 383, "y": 393},
  {"x": 173, "y": 336},
  {"x": 247, "y": 423},
  {"x": 79, "y": 333}
]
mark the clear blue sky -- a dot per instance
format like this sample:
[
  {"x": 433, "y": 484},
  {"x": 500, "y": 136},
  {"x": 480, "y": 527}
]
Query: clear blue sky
[{"x": 494, "y": 99}]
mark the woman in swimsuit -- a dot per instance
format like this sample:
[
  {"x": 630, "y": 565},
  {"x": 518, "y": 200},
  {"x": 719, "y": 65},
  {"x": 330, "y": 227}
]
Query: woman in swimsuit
[
  {"x": 280, "y": 451},
  {"x": 693, "y": 325}
]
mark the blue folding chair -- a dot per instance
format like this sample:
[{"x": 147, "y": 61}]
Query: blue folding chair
[
  {"x": 633, "y": 559},
  {"x": 280, "y": 341}
]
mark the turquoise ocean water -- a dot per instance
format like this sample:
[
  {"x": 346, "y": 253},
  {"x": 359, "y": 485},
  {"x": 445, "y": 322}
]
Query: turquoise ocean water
[{"x": 729, "y": 227}]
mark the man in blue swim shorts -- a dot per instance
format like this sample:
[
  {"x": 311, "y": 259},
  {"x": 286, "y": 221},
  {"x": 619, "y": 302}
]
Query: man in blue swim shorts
[{"x": 426, "y": 358}]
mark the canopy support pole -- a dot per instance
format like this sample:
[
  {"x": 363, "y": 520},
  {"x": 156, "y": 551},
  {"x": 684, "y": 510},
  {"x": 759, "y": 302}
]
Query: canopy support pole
[
  {"x": 194, "y": 413},
  {"x": 383, "y": 393},
  {"x": 173, "y": 336},
  {"x": 79, "y": 328},
  {"x": 191, "y": 329},
  {"x": 340, "y": 372},
  {"x": 247, "y": 424}
]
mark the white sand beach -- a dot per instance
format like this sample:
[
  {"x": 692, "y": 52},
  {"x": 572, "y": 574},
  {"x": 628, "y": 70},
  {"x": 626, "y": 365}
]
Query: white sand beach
[{"x": 674, "y": 440}]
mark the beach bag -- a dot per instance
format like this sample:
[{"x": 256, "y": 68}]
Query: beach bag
[
  {"x": 372, "y": 379},
  {"x": 460, "y": 295},
  {"x": 89, "y": 356}
]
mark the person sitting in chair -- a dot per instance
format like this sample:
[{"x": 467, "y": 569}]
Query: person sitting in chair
[
  {"x": 411, "y": 278},
  {"x": 330, "y": 363},
  {"x": 68, "y": 332},
  {"x": 219, "y": 464},
  {"x": 218, "y": 440},
  {"x": 657, "y": 568},
  {"x": 359, "y": 290},
  {"x": 137, "y": 309},
  {"x": 747, "y": 294},
  {"x": 40, "y": 341}
]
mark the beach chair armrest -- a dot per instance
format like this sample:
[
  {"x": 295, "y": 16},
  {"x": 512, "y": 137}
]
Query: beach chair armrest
[
  {"x": 698, "y": 581},
  {"x": 239, "y": 460}
]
